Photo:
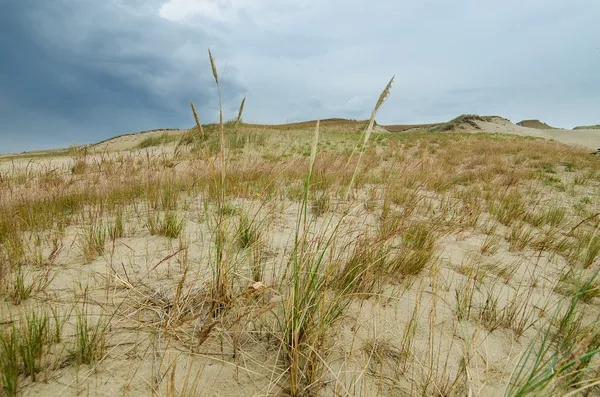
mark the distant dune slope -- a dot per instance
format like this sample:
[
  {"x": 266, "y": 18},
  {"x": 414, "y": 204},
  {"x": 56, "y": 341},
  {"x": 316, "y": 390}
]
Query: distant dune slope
[
  {"x": 410, "y": 127},
  {"x": 588, "y": 127},
  {"x": 535, "y": 124},
  {"x": 130, "y": 141},
  {"x": 586, "y": 136}
]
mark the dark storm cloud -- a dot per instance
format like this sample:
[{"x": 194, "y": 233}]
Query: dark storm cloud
[{"x": 82, "y": 71}]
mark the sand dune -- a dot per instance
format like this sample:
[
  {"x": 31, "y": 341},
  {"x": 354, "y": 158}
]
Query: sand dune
[
  {"x": 586, "y": 138},
  {"x": 129, "y": 141}
]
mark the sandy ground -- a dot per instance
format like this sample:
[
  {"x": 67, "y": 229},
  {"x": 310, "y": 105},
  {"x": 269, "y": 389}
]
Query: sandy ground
[
  {"x": 135, "y": 279},
  {"x": 130, "y": 141},
  {"x": 586, "y": 138}
]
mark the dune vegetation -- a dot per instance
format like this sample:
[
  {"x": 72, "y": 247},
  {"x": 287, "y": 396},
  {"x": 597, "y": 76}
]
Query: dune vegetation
[
  {"x": 588, "y": 127},
  {"x": 237, "y": 260}
]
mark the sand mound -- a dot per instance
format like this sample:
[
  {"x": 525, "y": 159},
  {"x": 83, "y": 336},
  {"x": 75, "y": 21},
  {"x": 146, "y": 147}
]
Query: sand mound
[
  {"x": 465, "y": 122},
  {"x": 586, "y": 138},
  {"x": 410, "y": 127},
  {"x": 131, "y": 141},
  {"x": 535, "y": 124},
  {"x": 470, "y": 123}
]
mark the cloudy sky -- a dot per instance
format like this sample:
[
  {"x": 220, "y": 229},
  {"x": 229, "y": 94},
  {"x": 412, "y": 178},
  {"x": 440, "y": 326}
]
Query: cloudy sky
[{"x": 78, "y": 71}]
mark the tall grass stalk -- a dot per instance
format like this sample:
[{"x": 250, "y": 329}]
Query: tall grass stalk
[
  {"x": 384, "y": 94},
  {"x": 220, "y": 291},
  {"x": 239, "y": 116},
  {"x": 9, "y": 362},
  {"x": 220, "y": 287},
  {"x": 198, "y": 124},
  {"x": 89, "y": 343},
  {"x": 313, "y": 307},
  {"x": 33, "y": 338},
  {"x": 557, "y": 360},
  {"x": 295, "y": 316}
]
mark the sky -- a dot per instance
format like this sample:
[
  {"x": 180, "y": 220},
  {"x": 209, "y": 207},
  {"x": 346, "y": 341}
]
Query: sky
[{"x": 79, "y": 71}]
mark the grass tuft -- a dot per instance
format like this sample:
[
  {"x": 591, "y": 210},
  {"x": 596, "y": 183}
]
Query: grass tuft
[{"x": 89, "y": 344}]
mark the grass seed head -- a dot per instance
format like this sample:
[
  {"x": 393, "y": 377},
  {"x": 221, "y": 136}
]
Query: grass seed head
[
  {"x": 197, "y": 119},
  {"x": 214, "y": 68},
  {"x": 239, "y": 117},
  {"x": 384, "y": 94}
]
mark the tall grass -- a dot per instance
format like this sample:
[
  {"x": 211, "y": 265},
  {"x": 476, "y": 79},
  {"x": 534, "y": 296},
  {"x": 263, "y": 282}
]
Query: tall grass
[
  {"x": 220, "y": 290},
  {"x": 20, "y": 287},
  {"x": 93, "y": 241},
  {"x": 156, "y": 140},
  {"x": 556, "y": 362},
  {"x": 311, "y": 307},
  {"x": 9, "y": 364},
  {"x": 89, "y": 344},
  {"x": 22, "y": 349}
]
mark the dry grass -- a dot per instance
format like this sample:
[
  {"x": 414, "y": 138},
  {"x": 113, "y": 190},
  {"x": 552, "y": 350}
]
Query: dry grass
[{"x": 307, "y": 261}]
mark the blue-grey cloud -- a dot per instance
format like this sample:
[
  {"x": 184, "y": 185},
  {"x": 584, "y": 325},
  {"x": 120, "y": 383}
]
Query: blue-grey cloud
[
  {"x": 76, "y": 70},
  {"x": 79, "y": 71}
]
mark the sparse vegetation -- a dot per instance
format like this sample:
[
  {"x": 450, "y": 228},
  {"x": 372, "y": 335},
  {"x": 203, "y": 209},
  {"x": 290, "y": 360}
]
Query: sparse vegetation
[
  {"x": 89, "y": 344},
  {"x": 464, "y": 120},
  {"x": 316, "y": 258},
  {"x": 587, "y": 127},
  {"x": 535, "y": 124},
  {"x": 22, "y": 348},
  {"x": 156, "y": 140}
]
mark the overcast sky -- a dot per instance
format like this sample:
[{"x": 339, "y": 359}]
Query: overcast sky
[{"x": 78, "y": 71}]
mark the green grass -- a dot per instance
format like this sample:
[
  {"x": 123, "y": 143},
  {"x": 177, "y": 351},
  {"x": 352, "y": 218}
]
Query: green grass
[
  {"x": 588, "y": 127},
  {"x": 10, "y": 367},
  {"x": 490, "y": 314},
  {"x": 22, "y": 349},
  {"x": 34, "y": 336},
  {"x": 571, "y": 284},
  {"x": 321, "y": 204},
  {"x": 116, "y": 229},
  {"x": 416, "y": 251},
  {"x": 490, "y": 245},
  {"x": 363, "y": 270},
  {"x": 93, "y": 240},
  {"x": 248, "y": 232},
  {"x": 556, "y": 363},
  {"x": 592, "y": 251},
  {"x": 520, "y": 236},
  {"x": 157, "y": 140},
  {"x": 508, "y": 209},
  {"x": 168, "y": 224},
  {"x": 89, "y": 343},
  {"x": 20, "y": 288},
  {"x": 310, "y": 307},
  {"x": 552, "y": 216}
]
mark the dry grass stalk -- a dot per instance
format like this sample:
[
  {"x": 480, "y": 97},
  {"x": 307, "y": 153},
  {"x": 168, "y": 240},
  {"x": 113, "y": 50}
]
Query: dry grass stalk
[
  {"x": 382, "y": 97},
  {"x": 239, "y": 116},
  {"x": 198, "y": 125}
]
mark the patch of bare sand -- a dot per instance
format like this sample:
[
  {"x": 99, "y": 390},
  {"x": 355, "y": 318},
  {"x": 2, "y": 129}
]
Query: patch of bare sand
[
  {"x": 130, "y": 141},
  {"x": 586, "y": 138}
]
